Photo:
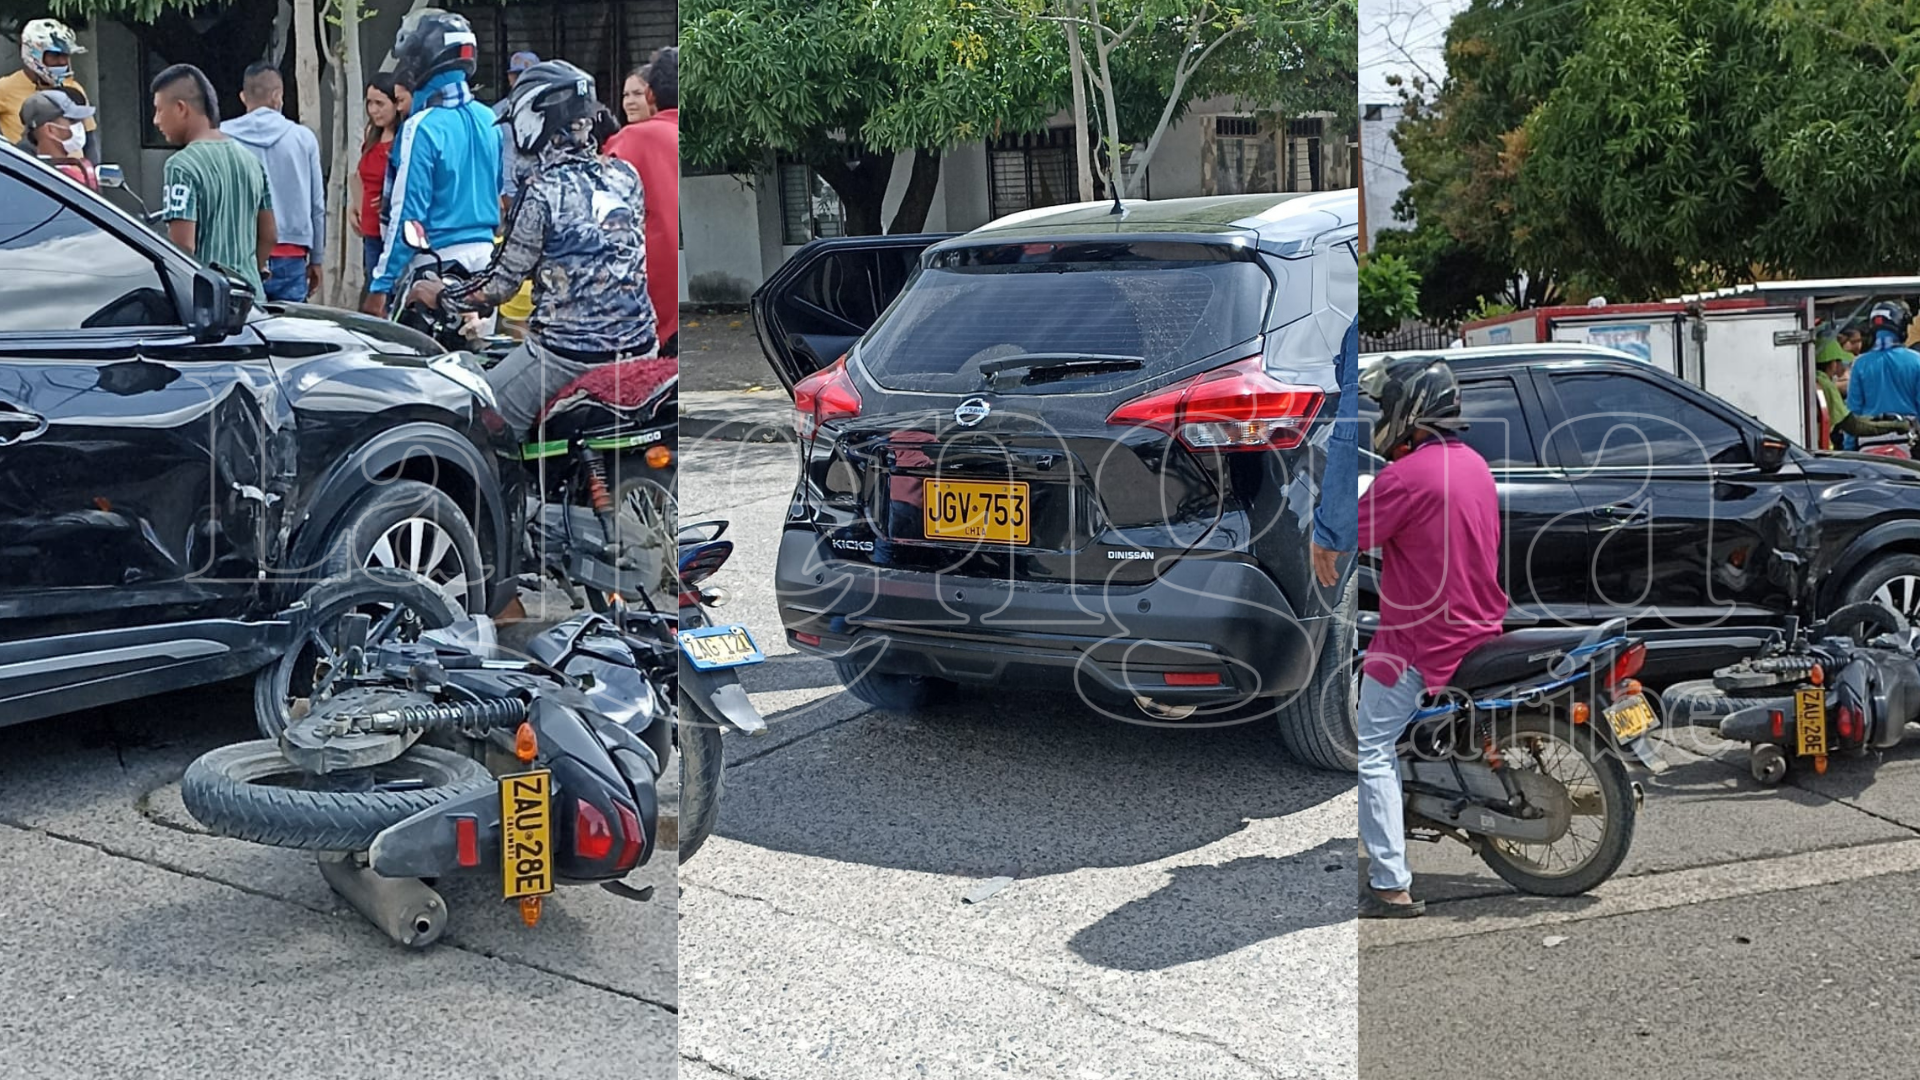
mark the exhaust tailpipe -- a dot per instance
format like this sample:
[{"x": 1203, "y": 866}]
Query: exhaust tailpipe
[{"x": 405, "y": 909}]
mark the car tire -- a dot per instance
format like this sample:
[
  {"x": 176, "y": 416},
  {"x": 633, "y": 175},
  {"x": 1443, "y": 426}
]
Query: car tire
[
  {"x": 1316, "y": 725},
  {"x": 394, "y": 524},
  {"x": 223, "y": 789},
  {"x": 1700, "y": 703},
  {"x": 888, "y": 690},
  {"x": 1898, "y": 574}
]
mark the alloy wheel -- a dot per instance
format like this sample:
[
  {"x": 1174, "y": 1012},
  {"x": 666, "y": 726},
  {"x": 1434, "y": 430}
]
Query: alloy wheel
[{"x": 422, "y": 547}]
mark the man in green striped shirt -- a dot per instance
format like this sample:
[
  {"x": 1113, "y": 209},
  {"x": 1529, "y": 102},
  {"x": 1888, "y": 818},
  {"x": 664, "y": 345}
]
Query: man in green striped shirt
[{"x": 217, "y": 207}]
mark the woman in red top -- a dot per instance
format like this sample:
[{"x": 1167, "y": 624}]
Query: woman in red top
[
  {"x": 386, "y": 110},
  {"x": 652, "y": 147}
]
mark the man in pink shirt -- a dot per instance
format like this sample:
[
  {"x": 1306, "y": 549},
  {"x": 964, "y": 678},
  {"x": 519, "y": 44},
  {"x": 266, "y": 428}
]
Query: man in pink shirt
[
  {"x": 1434, "y": 515},
  {"x": 652, "y": 147}
]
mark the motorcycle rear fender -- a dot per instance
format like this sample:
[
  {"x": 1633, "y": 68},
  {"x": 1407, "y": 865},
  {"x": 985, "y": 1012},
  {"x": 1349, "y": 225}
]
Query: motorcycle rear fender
[
  {"x": 720, "y": 695},
  {"x": 427, "y": 844}
]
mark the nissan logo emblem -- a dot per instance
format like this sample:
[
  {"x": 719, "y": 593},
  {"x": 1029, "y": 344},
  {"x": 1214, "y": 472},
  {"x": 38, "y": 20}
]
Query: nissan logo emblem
[{"x": 971, "y": 412}]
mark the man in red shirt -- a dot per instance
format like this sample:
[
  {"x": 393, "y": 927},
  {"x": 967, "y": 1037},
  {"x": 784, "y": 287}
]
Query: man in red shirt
[
  {"x": 652, "y": 147},
  {"x": 1434, "y": 514}
]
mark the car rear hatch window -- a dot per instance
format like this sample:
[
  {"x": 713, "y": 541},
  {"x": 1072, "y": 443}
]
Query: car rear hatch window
[{"x": 1078, "y": 316}]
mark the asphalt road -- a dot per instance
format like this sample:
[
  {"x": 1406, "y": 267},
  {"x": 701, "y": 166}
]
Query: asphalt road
[
  {"x": 134, "y": 945},
  {"x": 1751, "y": 933},
  {"x": 1181, "y": 905}
]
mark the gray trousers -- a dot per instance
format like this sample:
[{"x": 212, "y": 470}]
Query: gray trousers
[{"x": 525, "y": 380}]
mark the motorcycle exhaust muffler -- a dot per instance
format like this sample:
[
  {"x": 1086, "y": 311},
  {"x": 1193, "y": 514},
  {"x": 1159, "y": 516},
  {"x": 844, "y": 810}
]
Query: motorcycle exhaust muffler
[{"x": 405, "y": 909}]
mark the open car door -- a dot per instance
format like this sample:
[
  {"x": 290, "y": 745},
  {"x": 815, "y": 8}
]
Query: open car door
[{"x": 823, "y": 298}]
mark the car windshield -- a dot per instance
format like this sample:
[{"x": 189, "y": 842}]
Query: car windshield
[{"x": 1164, "y": 303}]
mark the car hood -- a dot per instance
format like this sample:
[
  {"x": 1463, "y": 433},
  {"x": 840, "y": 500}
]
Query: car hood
[{"x": 303, "y": 329}]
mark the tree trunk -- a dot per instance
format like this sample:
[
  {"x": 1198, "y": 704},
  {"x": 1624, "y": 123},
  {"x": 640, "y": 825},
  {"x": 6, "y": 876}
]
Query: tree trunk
[
  {"x": 345, "y": 275},
  {"x": 1078, "y": 63},
  {"x": 861, "y": 185},
  {"x": 1116, "y": 159},
  {"x": 306, "y": 62},
  {"x": 911, "y": 217}
]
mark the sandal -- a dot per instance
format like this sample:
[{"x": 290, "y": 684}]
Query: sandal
[{"x": 1372, "y": 907}]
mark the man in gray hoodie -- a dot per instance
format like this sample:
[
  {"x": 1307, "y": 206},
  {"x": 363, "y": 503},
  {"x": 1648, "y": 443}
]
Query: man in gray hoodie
[{"x": 292, "y": 157}]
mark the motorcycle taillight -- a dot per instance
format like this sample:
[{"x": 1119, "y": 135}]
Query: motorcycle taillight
[
  {"x": 592, "y": 835},
  {"x": 632, "y": 840},
  {"x": 698, "y": 563},
  {"x": 1628, "y": 663}
]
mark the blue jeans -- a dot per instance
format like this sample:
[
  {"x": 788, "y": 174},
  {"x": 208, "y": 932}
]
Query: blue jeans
[
  {"x": 370, "y": 249},
  {"x": 1382, "y": 715},
  {"x": 289, "y": 281}
]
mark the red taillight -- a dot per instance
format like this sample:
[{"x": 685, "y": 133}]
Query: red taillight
[
  {"x": 806, "y": 639},
  {"x": 1629, "y": 663},
  {"x": 631, "y": 839},
  {"x": 592, "y": 836},
  {"x": 1779, "y": 724},
  {"x": 827, "y": 394},
  {"x": 690, "y": 598},
  {"x": 1843, "y": 721},
  {"x": 1237, "y": 407},
  {"x": 1193, "y": 678},
  {"x": 466, "y": 836}
]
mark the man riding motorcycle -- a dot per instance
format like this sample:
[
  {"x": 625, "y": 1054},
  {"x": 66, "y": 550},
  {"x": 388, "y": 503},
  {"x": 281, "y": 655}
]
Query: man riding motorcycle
[
  {"x": 1434, "y": 514},
  {"x": 578, "y": 222},
  {"x": 448, "y": 154},
  {"x": 1885, "y": 380}
]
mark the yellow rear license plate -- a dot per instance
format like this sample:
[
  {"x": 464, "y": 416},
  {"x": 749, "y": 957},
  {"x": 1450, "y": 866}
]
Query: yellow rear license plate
[
  {"x": 967, "y": 510},
  {"x": 1631, "y": 718},
  {"x": 526, "y": 831},
  {"x": 1810, "y": 721}
]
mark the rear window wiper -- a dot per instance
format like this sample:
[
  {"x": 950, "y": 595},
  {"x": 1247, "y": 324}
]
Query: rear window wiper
[{"x": 1052, "y": 367}]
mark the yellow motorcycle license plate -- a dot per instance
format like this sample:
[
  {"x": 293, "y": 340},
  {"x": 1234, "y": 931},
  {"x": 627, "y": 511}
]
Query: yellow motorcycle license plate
[
  {"x": 963, "y": 510},
  {"x": 1631, "y": 718},
  {"x": 526, "y": 832},
  {"x": 1810, "y": 721}
]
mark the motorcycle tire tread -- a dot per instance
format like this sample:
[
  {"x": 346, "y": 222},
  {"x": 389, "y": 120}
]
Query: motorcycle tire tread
[{"x": 221, "y": 792}]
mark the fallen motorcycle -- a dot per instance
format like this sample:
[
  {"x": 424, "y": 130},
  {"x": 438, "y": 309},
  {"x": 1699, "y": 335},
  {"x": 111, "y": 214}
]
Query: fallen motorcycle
[
  {"x": 1848, "y": 684},
  {"x": 712, "y": 700},
  {"x": 413, "y": 752},
  {"x": 1524, "y": 762}
]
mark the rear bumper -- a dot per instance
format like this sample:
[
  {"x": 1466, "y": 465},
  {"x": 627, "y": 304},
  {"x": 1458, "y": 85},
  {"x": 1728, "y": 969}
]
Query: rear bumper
[{"x": 1201, "y": 617}]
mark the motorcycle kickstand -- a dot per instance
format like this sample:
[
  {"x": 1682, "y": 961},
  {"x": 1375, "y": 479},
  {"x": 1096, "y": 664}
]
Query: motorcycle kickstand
[{"x": 405, "y": 909}]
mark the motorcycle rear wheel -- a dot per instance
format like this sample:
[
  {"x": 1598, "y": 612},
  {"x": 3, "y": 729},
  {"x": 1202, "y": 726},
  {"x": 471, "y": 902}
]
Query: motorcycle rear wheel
[
  {"x": 702, "y": 776},
  {"x": 1533, "y": 868}
]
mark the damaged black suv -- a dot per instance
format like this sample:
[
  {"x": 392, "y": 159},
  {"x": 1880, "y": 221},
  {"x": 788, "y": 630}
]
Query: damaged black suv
[
  {"x": 177, "y": 467},
  {"x": 1081, "y": 449}
]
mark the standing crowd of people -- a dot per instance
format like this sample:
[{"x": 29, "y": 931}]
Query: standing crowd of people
[{"x": 560, "y": 218}]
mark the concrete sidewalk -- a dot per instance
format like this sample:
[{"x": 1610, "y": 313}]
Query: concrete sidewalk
[{"x": 759, "y": 416}]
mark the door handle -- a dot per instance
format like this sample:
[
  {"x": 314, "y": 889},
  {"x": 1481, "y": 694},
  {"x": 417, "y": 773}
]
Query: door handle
[
  {"x": 1623, "y": 515},
  {"x": 18, "y": 427}
]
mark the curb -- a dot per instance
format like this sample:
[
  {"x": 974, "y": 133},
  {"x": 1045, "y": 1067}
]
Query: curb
[{"x": 745, "y": 431}]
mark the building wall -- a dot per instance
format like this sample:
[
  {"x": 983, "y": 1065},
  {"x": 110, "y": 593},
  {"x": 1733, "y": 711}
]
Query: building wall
[
  {"x": 720, "y": 216},
  {"x": 1380, "y": 160}
]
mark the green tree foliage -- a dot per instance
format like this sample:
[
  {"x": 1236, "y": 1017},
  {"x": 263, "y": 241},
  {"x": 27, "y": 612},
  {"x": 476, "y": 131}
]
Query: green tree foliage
[
  {"x": 1454, "y": 276},
  {"x": 1389, "y": 294},
  {"x": 844, "y": 85},
  {"x": 1641, "y": 148}
]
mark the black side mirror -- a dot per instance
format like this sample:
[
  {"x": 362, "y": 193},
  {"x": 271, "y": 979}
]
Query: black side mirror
[
  {"x": 1769, "y": 453},
  {"x": 220, "y": 305}
]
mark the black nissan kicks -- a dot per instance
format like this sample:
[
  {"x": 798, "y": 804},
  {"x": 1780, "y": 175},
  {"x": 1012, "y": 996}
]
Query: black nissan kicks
[
  {"x": 1080, "y": 449},
  {"x": 178, "y": 467}
]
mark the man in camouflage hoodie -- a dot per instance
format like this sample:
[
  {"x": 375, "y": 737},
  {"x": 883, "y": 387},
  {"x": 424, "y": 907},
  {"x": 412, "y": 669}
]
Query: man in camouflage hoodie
[{"x": 576, "y": 228}]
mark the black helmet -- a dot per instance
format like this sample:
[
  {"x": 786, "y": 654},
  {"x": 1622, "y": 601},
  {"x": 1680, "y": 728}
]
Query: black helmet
[
  {"x": 1891, "y": 316},
  {"x": 1413, "y": 392},
  {"x": 432, "y": 41},
  {"x": 549, "y": 100}
]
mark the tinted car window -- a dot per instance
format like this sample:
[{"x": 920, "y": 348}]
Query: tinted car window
[
  {"x": 60, "y": 271},
  {"x": 1165, "y": 303},
  {"x": 844, "y": 284},
  {"x": 1621, "y": 420},
  {"x": 1497, "y": 424}
]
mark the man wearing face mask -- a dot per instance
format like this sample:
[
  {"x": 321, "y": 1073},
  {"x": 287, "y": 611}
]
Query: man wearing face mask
[
  {"x": 47, "y": 48},
  {"x": 55, "y": 130}
]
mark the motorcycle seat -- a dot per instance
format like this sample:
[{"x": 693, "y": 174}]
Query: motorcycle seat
[
  {"x": 1517, "y": 656},
  {"x": 624, "y": 386}
]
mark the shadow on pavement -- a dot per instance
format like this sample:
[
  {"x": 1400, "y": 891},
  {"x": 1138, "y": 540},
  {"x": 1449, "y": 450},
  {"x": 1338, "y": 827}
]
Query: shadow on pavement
[
  {"x": 1202, "y": 912},
  {"x": 986, "y": 785}
]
